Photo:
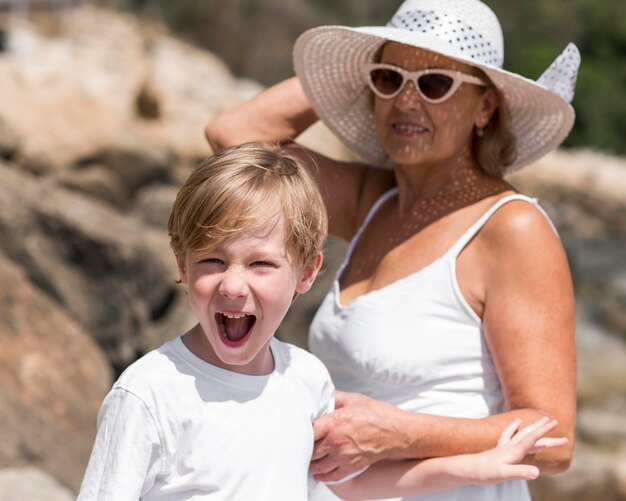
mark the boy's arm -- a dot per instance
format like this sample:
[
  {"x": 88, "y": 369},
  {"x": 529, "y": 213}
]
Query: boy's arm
[
  {"x": 126, "y": 455},
  {"x": 411, "y": 477}
]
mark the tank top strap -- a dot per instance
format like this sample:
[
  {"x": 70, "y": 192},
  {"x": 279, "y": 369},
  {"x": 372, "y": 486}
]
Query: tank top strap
[
  {"x": 373, "y": 209},
  {"x": 460, "y": 244}
]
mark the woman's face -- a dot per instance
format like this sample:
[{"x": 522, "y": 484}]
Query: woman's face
[{"x": 415, "y": 132}]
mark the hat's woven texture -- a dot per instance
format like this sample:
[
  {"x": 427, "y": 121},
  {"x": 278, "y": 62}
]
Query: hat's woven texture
[{"x": 329, "y": 62}]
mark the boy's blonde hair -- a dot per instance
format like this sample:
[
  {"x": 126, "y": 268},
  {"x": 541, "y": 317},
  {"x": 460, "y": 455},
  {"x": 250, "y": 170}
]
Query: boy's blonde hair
[{"x": 242, "y": 188}]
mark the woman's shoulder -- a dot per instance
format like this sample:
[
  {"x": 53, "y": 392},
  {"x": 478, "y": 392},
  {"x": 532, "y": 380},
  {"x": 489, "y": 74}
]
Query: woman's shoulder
[
  {"x": 517, "y": 216},
  {"x": 519, "y": 229}
]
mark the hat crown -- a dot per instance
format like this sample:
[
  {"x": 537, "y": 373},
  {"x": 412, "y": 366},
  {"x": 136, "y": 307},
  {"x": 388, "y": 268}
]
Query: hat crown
[{"x": 468, "y": 26}]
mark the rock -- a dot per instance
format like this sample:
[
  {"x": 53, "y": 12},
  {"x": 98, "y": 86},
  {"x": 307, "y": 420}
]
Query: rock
[
  {"x": 135, "y": 165},
  {"x": 112, "y": 273},
  {"x": 612, "y": 310},
  {"x": 97, "y": 181},
  {"x": 100, "y": 75},
  {"x": 9, "y": 141},
  {"x": 31, "y": 484},
  {"x": 154, "y": 203},
  {"x": 601, "y": 363},
  {"x": 603, "y": 426},
  {"x": 147, "y": 103},
  {"x": 53, "y": 119},
  {"x": 53, "y": 379},
  {"x": 592, "y": 476}
]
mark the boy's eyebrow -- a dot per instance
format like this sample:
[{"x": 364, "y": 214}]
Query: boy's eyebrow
[{"x": 257, "y": 252}]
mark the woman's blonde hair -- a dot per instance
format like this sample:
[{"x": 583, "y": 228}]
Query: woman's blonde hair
[{"x": 243, "y": 188}]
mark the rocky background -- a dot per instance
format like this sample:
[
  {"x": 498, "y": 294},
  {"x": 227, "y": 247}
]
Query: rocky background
[{"x": 101, "y": 120}]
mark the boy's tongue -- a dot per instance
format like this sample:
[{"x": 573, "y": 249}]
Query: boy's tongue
[{"x": 237, "y": 328}]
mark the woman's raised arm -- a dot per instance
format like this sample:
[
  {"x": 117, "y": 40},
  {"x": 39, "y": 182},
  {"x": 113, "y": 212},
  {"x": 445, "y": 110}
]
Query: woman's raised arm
[{"x": 281, "y": 112}]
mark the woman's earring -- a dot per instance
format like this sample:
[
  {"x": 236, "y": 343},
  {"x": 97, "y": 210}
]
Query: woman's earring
[{"x": 480, "y": 131}]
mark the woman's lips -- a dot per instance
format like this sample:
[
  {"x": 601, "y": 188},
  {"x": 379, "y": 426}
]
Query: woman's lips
[{"x": 408, "y": 129}]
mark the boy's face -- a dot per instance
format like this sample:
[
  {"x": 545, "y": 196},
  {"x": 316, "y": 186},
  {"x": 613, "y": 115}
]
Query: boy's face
[{"x": 239, "y": 292}]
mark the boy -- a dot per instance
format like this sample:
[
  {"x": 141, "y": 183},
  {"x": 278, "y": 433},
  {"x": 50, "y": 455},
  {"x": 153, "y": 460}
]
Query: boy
[{"x": 225, "y": 411}]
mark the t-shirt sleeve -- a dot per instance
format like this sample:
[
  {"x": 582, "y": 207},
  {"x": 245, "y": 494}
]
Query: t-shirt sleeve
[
  {"x": 327, "y": 394},
  {"x": 126, "y": 455}
]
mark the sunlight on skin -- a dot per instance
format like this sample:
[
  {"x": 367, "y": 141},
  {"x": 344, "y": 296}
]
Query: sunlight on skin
[{"x": 434, "y": 159}]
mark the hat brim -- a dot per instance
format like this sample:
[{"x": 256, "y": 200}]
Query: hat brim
[{"x": 329, "y": 60}]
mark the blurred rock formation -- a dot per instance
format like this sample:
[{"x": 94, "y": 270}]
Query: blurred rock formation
[{"x": 101, "y": 119}]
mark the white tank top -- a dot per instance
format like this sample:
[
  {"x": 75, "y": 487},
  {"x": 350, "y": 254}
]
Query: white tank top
[{"x": 416, "y": 343}]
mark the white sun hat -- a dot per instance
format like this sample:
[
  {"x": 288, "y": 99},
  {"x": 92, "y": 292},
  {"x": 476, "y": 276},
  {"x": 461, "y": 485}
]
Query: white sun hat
[{"x": 329, "y": 61}]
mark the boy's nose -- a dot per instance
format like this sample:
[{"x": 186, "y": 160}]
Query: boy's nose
[{"x": 233, "y": 285}]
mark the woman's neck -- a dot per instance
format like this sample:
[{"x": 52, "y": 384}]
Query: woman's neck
[{"x": 460, "y": 180}]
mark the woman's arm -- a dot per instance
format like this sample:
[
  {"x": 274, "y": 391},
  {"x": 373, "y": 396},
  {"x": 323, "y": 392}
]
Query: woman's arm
[
  {"x": 280, "y": 114},
  {"x": 528, "y": 320},
  {"x": 393, "y": 478}
]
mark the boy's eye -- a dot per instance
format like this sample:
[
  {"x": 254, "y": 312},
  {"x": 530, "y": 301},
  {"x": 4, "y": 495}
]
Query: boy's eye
[
  {"x": 262, "y": 264},
  {"x": 211, "y": 260}
]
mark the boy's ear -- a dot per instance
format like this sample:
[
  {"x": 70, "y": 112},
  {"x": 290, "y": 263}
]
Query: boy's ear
[
  {"x": 308, "y": 274},
  {"x": 182, "y": 266}
]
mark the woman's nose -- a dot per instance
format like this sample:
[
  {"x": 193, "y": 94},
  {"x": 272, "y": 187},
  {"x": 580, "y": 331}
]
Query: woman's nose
[
  {"x": 409, "y": 97},
  {"x": 233, "y": 285}
]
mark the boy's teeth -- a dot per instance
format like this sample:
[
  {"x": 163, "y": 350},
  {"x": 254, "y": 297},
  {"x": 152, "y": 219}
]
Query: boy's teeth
[
  {"x": 233, "y": 315},
  {"x": 234, "y": 326}
]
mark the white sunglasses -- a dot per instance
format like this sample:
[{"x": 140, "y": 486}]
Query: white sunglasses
[{"x": 433, "y": 85}]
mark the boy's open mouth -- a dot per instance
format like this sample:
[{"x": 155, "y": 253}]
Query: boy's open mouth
[{"x": 234, "y": 327}]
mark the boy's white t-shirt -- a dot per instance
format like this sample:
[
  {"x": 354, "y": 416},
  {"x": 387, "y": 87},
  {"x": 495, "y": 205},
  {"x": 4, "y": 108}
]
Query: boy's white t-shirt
[{"x": 174, "y": 427}]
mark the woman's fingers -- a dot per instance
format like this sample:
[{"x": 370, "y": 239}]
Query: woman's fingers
[
  {"x": 343, "y": 399},
  {"x": 322, "y": 466},
  {"x": 321, "y": 426},
  {"x": 340, "y": 399}
]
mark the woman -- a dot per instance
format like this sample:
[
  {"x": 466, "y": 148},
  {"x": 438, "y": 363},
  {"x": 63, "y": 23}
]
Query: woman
[{"x": 453, "y": 311}]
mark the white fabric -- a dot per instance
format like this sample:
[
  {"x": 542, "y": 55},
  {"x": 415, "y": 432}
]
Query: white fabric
[
  {"x": 174, "y": 427},
  {"x": 417, "y": 344}
]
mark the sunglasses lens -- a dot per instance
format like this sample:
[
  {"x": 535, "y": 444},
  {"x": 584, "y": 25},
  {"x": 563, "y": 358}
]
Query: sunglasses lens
[
  {"x": 435, "y": 85},
  {"x": 386, "y": 81}
]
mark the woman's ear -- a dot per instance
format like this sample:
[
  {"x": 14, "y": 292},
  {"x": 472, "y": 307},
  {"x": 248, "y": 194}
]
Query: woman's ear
[
  {"x": 308, "y": 274},
  {"x": 488, "y": 103}
]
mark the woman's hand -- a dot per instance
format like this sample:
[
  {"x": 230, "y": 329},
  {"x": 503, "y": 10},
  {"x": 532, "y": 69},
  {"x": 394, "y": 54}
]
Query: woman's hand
[{"x": 358, "y": 433}]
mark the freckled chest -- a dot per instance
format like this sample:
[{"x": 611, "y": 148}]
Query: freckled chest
[{"x": 393, "y": 246}]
